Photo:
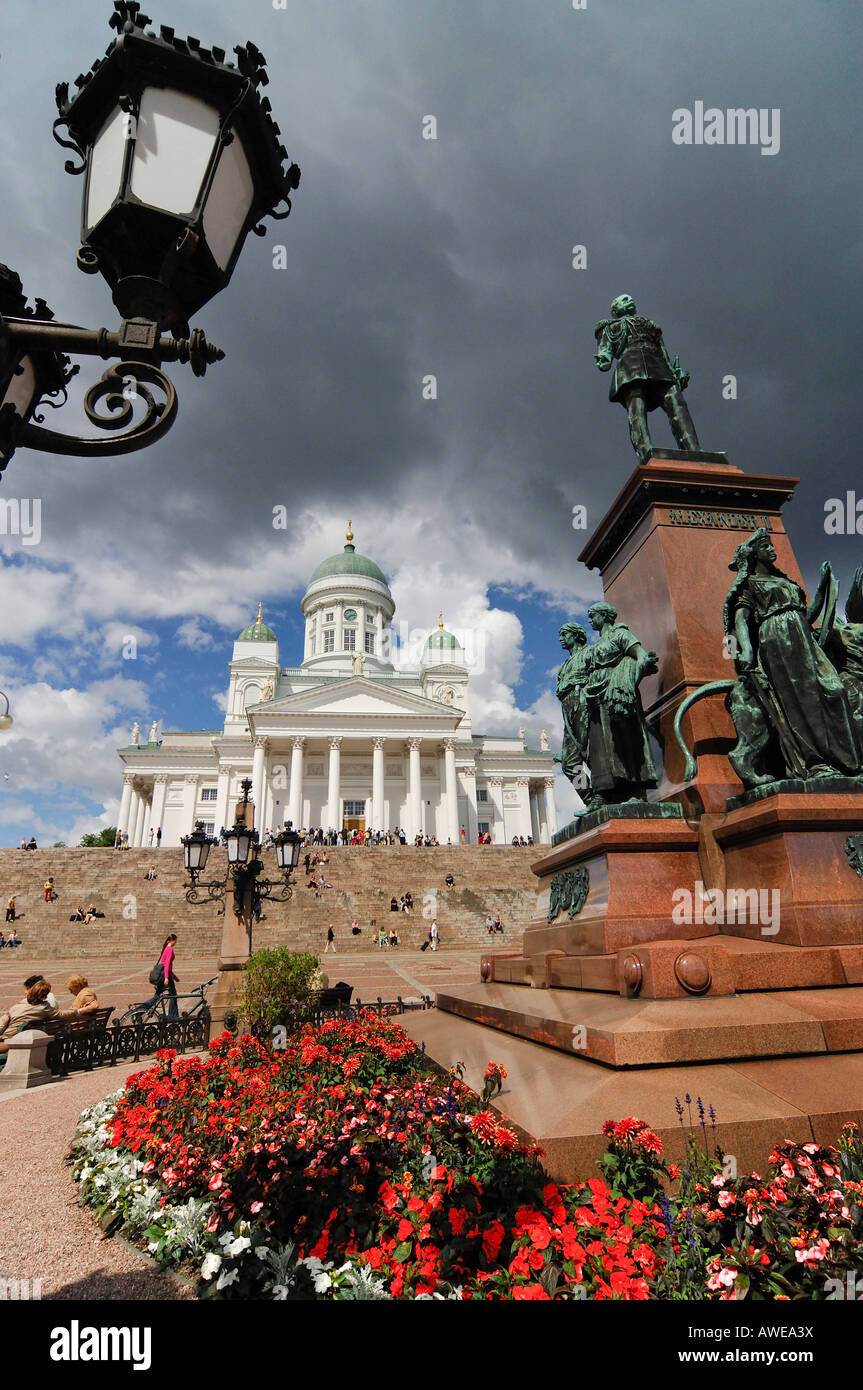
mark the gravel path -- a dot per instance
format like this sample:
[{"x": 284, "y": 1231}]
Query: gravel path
[{"x": 44, "y": 1234}]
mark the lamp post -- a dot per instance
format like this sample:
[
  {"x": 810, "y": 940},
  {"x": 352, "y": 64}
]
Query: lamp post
[
  {"x": 6, "y": 720},
  {"x": 243, "y": 874},
  {"x": 181, "y": 160}
]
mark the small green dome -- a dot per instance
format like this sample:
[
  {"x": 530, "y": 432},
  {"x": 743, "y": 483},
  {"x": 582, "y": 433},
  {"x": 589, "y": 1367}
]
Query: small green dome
[{"x": 257, "y": 631}]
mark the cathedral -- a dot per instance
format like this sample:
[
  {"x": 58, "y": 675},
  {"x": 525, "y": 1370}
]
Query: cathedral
[{"x": 345, "y": 740}]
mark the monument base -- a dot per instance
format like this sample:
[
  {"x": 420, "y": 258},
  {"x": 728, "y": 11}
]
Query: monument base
[
  {"x": 562, "y": 1101},
  {"x": 621, "y": 1032}
]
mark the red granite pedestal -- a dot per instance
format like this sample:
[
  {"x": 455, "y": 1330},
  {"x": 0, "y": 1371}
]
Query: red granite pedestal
[{"x": 766, "y": 970}]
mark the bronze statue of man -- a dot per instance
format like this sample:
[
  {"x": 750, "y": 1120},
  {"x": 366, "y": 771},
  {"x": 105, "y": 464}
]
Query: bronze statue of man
[{"x": 644, "y": 377}]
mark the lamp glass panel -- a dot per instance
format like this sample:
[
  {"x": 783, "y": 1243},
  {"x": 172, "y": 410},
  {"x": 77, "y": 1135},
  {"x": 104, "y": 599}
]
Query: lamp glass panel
[
  {"x": 228, "y": 203},
  {"x": 106, "y": 166},
  {"x": 174, "y": 143},
  {"x": 22, "y": 388}
]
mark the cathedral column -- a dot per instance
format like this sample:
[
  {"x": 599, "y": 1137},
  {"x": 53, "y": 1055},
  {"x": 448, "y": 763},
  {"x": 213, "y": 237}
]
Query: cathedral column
[
  {"x": 140, "y": 812},
  {"x": 451, "y": 794},
  {"x": 133, "y": 814},
  {"x": 525, "y": 818},
  {"x": 222, "y": 801},
  {"x": 550, "y": 809},
  {"x": 295, "y": 804},
  {"x": 534, "y": 815},
  {"x": 542, "y": 816},
  {"x": 160, "y": 791},
  {"x": 269, "y": 802},
  {"x": 378, "y": 784},
  {"x": 472, "y": 827},
  {"x": 125, "y": 805},
  {"x": 258, "y": 761},
  {"x": 190, "y": 801},
  {"x": 414, "y": 788},
  {"x": 334, "y": 773},
  {"x": 498, "y": 828}
]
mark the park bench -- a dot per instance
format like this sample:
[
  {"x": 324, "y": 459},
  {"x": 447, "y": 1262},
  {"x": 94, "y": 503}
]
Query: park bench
[
  {"x": 337, "y": 996},
  {"x": 96, "y": 1022},
  {"x": 59, "y": 1046},
  {"x": 28, "y": 1062}
]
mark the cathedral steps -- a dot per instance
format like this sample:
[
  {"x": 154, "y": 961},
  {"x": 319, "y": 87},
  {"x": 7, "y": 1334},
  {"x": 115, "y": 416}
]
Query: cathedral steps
[{"x": 139, "y": 913}]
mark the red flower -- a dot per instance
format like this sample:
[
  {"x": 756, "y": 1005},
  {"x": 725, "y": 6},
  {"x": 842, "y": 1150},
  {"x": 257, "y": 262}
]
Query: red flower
[{"x": 492, "y": 1240}]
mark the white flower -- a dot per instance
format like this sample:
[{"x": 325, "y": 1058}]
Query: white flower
[
  {"x": 322, "y": 1281},
  {"x": 279, "y": 1292},
  {"x": 238, "y": 1246},
  {"x": 210, "y": 1266},
  {"x": 226, "y": 1278}
]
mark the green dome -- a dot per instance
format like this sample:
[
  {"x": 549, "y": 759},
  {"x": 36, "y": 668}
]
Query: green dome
[
  {"x": 442, "y": 638},
  {"x": 257, "y": 631},
  {"x": 349, "y": 562}
]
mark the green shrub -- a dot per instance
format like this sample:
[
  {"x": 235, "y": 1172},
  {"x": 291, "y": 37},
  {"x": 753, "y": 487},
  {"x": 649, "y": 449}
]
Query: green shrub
[{"x": 276, "y": 989}]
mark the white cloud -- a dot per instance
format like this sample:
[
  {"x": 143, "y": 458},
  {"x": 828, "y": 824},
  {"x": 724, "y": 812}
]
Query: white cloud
[
  {"x": 63, "y": 745},
  {"x": 190, "y": 634}
]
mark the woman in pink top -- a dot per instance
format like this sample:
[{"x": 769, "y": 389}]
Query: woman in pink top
[{"x": 167, "y": 961}]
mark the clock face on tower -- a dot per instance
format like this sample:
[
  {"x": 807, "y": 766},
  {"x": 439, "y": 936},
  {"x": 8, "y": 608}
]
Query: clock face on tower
[{"x": 350, "y": 615}]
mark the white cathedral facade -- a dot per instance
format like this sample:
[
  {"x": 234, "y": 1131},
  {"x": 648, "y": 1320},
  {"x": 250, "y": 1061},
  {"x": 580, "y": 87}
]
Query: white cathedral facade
[{"x": 345, "y": 740}]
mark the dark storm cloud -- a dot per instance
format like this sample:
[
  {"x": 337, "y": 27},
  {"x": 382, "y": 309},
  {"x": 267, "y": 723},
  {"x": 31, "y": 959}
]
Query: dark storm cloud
[{"x": 408, "y": 257}]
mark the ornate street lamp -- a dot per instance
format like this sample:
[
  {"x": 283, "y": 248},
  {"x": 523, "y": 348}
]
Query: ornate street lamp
[
  {"x": 181, "y": 159},
  {"x": 288, "y": 844},
  {"x": 242, "y": 872},
  {"x": 6, "y": 720}
]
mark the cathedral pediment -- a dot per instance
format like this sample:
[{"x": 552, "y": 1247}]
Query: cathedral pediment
[{"x": 361, "y": 697}]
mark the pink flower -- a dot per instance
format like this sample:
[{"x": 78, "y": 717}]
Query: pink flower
[
  {"x": 724, "y": 1278},
  {"x": 815, "y": 1252}
]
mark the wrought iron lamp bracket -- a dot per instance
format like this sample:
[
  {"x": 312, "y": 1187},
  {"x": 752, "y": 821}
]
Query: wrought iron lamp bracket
[{"x": 122, "y": 401}]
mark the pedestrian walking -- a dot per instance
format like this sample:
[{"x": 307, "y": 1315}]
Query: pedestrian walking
[
  {"x": 49, "y": 889},
  {"x": 168, "y": 978},
  {"x": 10, "y": 909},
  {"x": 433, "y": 934},
  {"x": 331, "y": 941}
]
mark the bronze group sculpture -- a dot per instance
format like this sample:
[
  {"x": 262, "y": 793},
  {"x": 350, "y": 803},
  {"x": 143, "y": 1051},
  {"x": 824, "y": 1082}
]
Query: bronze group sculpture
[
  {"x": 644, "y": 377},
  {"x": 797, "y": 700},
  {"x": 571, "y": 679},
  {"x": 604, "y": 725}
]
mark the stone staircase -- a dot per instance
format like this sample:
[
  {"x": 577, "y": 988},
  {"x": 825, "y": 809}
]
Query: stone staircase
[{"x": 139, "y": 913}]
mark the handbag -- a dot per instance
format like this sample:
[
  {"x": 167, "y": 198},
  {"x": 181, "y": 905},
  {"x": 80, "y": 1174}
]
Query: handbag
[{"x": 157, "y": 975}]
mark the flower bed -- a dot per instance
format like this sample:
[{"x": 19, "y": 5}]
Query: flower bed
[{"x": 345, "y": 1166}]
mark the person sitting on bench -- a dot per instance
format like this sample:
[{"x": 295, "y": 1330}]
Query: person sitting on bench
[{"x": 86, "y": 1001}]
